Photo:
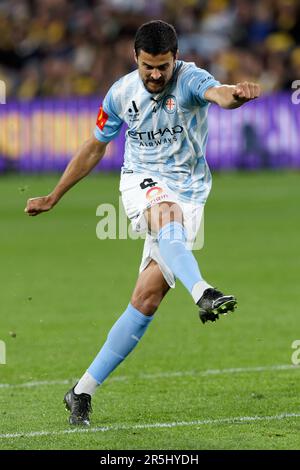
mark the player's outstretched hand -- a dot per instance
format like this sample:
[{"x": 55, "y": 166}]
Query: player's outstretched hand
[
  {"x": 246, "y": 91},
  {"x": 37, "y": 205}
]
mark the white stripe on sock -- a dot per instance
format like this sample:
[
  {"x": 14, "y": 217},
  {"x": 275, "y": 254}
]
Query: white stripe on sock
[
  {"x": 198, "y": 290},
  {"x": 87, "y": 384}
]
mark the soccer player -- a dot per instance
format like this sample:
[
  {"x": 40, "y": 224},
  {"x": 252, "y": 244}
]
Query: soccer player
[{"x": 165, "y": 181}]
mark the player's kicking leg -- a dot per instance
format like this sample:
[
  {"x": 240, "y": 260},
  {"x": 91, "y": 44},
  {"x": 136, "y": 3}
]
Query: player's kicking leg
[
  {"x": 149, "y": 291},
  {"x": 166, "y": 221}
]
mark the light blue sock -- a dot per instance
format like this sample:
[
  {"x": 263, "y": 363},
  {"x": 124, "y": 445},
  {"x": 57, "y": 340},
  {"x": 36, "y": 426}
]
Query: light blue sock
[
  {"x": 121, "y": 340},
  {"x": 181, "y": 261}
]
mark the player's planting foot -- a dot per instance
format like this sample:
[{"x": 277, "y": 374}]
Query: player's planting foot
[
  {"x": 213, "y": 303},
  {"x": 79, "y": 406}
]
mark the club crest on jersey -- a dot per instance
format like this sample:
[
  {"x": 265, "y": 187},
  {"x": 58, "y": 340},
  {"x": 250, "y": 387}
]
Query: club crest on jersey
[{"x": 170, "y": 104}]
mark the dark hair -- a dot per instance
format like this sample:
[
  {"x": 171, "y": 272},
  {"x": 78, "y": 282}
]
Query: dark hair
[{"x": 156, "y": 37}]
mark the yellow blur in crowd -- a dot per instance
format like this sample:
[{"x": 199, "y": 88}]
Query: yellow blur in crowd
[{"x": 61, "y": 48}]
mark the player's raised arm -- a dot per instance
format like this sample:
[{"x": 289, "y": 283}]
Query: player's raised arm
[
  {"x": 233, "y": 96},
  {"x": 85, "y": 159}
]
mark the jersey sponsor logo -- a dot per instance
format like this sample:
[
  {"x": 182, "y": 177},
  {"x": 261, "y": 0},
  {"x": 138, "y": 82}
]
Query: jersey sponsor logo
[
  {"x": 101, "y": 118},
  {"x": 169, "y": 104},
  {"x": 156, "y": 138}
]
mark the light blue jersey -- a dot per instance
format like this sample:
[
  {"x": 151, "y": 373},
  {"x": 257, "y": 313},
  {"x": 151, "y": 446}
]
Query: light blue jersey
[{"x": 167, "y": 132}]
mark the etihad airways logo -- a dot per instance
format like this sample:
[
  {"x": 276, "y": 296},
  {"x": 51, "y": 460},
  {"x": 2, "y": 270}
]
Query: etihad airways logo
[{"x": 158, "y": 137}]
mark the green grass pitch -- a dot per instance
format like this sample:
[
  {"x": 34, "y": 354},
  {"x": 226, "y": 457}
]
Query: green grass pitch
[{"x": 187, "y": 385}]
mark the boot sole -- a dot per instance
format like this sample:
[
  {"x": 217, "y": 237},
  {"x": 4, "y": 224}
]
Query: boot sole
[
  {"x": 226, "y": 307},
  {"x": 223, "y": 309}
]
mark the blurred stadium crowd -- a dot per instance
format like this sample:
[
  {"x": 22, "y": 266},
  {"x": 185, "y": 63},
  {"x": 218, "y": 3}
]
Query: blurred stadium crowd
[{"x": 67, "y": 48}]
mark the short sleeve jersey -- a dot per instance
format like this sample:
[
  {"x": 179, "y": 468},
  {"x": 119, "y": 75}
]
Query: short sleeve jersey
[{"x": 167, "y": 132}]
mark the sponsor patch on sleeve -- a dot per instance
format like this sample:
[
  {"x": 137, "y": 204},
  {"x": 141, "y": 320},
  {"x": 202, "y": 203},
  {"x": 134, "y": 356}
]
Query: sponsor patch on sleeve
[{"x": 101, "y": 119}]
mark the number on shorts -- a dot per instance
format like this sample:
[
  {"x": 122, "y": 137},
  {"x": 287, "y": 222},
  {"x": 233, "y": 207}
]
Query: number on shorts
[{"x": 147, "y": 183}]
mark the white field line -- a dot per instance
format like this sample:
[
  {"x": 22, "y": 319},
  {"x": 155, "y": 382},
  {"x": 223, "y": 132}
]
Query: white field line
[
  {"x": 160, "y": 375},
  {"x": 124, "y": 427}
]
